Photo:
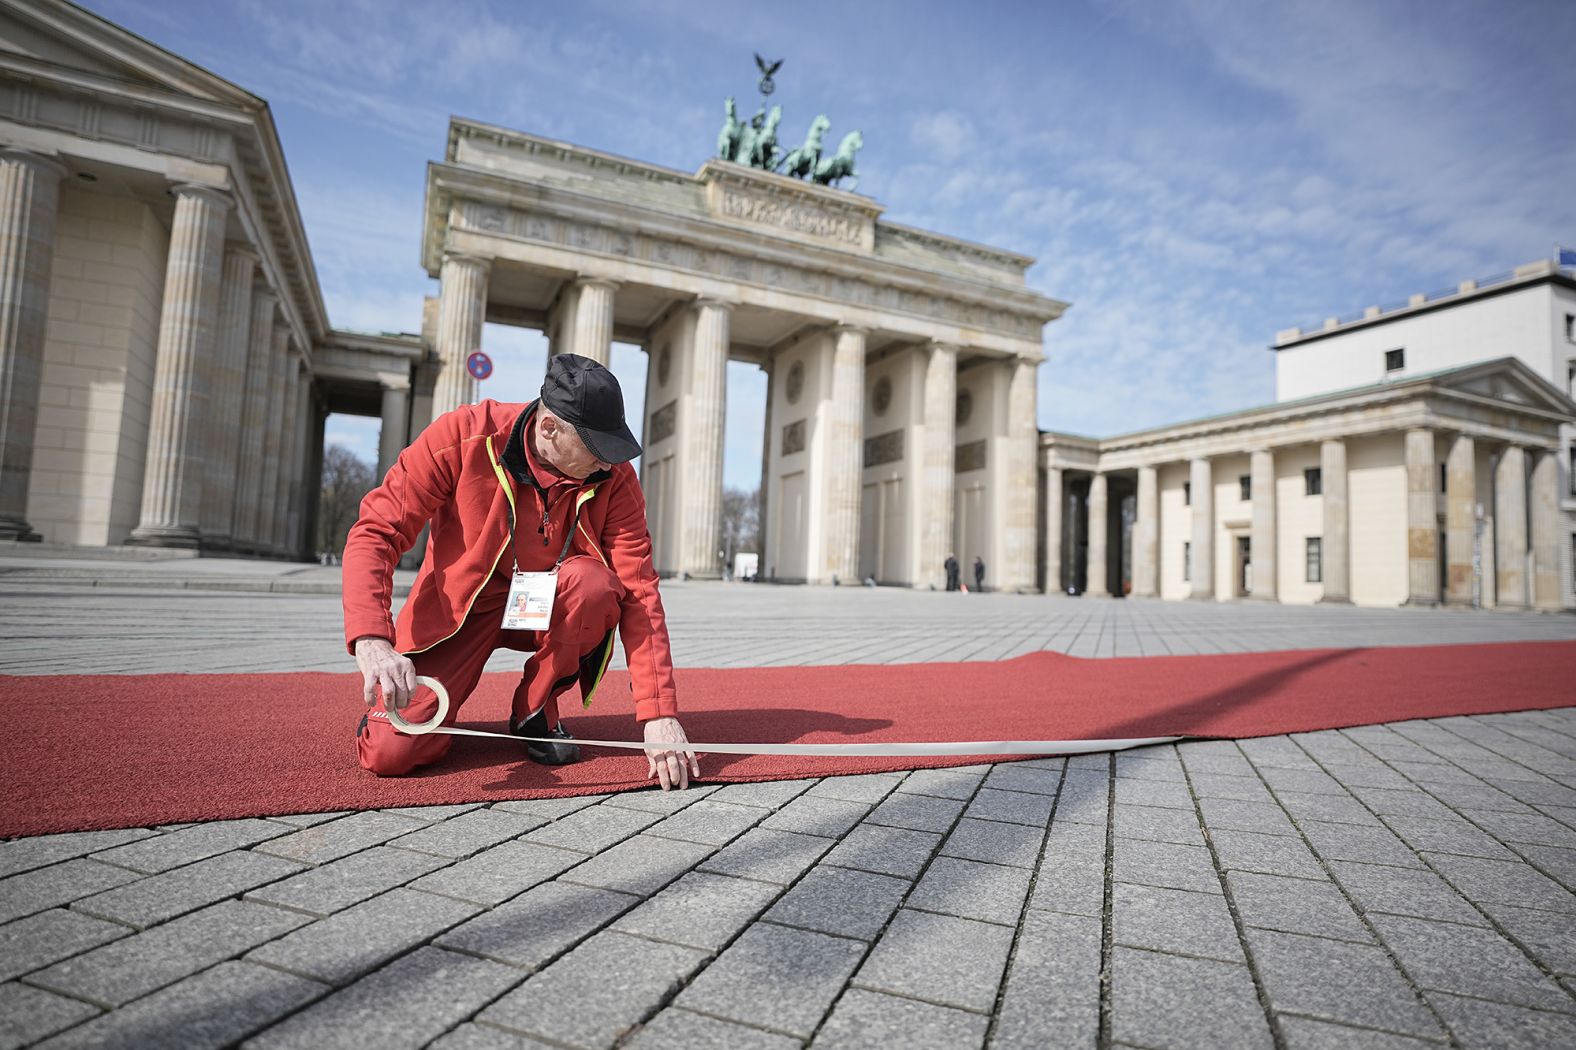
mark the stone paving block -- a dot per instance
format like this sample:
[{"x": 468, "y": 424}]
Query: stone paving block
[
  {"x": 916, "y": 812},
  {"x": 1276, "y": 752},
  {"x": 1337, "y": 981},
  {"x": 942, "y": 783},
  {"x": 340, "y": 883},
  {"x": 43, "y": 888},
  {"x": 700, "y": 910},
  {"x": 405, "y": 1004},
  {"x": 1546, "y": 935},
  {"x": 598, "y": 992},
  {"x": 1157, "y": 824},
  {"x": 1432, "y": 772},
  {"x": 1052, "y": 994},
  {"x": 769, "y": 856},
  {"x": 1150, "y": 763},
  {"x": 537, "y": 925},
  {"x": 134, "y": 966},
  {"x": 593, "y": 830},
  {"x": 641, "y": 865},
  {"x": 158, "y": 898},
  {"x": 812, "y": 815},
  {"x": 1011, "y": 807},
  {"x": 29, "y": 1014},
  {"x": 1556, "y": 862},
  {"x": 971, "y": 890},
  {"x": 775, "y": 977},
  {"x": 1170, "y": 794},
  {"x": 921, "y": 955},
  {"x": 868, "y": 788},
  {"x": 1338, "y": 809},
  {"x": 1331, "y": 748},
  {"x": 557, "y": 808},
  {"x": 841, "y": 901},
  {"x": 347, "y": 944},
  {"x": 495, "y": 875},
  {"x": 486, "y": 1037},
  {"x": 677, "y": 1027},
  {"x": 1072, "y": 871},
  {"x": 1304, "y": 1033},
  {"x": 340, "y": 838},
  {"x": 766, "y": 794},
  {"x": 215, "y": 1008},
  {"x": 712, "y": 823},
  {"x": 1274, "y": 902},
  {"x": 1372, "y": 776},
  {"x": 1468, "y": 960},
  {"x": 1164, "y": 864},
  {"x": 1219, "y": 785},
  {"x": 885, "y": 851},
  {"x": 994, "y": 842},
  {"x": 1536, "y": 792},
  {"x": 1085, "y": 798},
  {"x": 1404, "y": 891},
  {"x": 1412, "y": 802},
  {"x": 1098, "y": 760},
  {"x": 1524, "y": 827},
  {"x": 49, "y": 936},
  {"x": 468, "y": 833},
  {"x": 864, "y": 1019},
  {"x": 1369, "y": 845},
  {"x": 40, "y": 851},
  {"x": 307, "y": 820},
  {"x": 1451, "y": 835},
  {"x": 1476, "y": 795},
  {"x": 1301, "y": 781},
  {"x": 199, "y": 842},
  {"x": 1015, "y": 776},
  {"x": 1270, "y": 854},
  {"x": 655, "y": 800},
  {"x": 1219, "y": 757},
  {"x": 1494, "y": 1026},
  {"x": 1230, "y": 814},
  {"x": 433, "y": 814},
  {"x": 1176, "y": 921},
  {"x": 1503, "y": 882},
  {"x": 1165, "y": 1000}
]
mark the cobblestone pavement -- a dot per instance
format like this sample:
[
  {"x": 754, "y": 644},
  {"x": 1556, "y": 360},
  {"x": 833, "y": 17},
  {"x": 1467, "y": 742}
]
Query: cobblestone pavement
[{"x": 1407, "y": 885}]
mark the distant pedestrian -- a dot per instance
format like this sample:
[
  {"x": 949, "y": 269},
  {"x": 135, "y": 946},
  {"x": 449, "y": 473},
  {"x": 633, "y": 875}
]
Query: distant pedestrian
[
  {"x": 979, "y": 573},
  {"x": 951, "y": 565}
]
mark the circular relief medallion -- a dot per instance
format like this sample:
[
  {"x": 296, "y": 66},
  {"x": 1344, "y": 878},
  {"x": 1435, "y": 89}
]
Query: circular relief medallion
[
  {"x": 965, "y": 407},
  {"x": 881, "y": 396},
  {"x": 664, "y": 363},
  {"x": 795, "y": 382}
]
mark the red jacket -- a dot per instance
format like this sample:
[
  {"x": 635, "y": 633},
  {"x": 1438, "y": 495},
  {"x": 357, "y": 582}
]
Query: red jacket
[{"x": 452, "y": 476}]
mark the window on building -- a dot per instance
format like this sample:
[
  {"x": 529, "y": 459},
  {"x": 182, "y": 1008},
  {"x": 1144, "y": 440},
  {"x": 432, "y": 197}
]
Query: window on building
[
  {"x": 1395, "y": 360},
  {"x": 1187, "y": 561},
  {"x": 1312, "y": 481},
  {"x": 1315, "y": 559},
  {"x": 1245, "y": 483},
  {"x": 1187, "y": 493},
  {"x": 1570, "y": 328}
]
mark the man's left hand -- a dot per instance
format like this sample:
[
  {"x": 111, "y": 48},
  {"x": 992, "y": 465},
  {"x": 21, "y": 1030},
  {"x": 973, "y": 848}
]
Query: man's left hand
[{"x": 672, "y": 766}]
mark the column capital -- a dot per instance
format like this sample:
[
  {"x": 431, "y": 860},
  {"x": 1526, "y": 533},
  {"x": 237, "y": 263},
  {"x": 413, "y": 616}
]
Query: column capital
[
  {"x": 944, "y": 348},
  {"x": 44, "y": 165},
  {"x": 707, "y": 300},
  {"x": 850, "y": 329},
  {"x": 213, "y": 195},
  {"x": 461, "y": 259},
  {"x": 242, "y": 250},
  {"x": 593, "y": 281}
]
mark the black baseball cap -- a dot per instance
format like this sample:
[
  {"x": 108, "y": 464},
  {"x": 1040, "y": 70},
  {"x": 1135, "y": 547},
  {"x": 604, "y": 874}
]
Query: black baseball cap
[{"x": 585, "y": 395}]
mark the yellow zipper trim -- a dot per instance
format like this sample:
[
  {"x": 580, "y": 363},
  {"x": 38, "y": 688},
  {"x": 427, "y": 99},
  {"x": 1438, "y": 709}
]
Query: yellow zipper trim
[{"x": 503, "y": 482}]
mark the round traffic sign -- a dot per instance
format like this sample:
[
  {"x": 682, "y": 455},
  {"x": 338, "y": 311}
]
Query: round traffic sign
[{"x": 479, "y": 365}]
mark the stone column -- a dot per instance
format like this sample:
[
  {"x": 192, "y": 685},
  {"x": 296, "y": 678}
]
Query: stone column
[
  {"x": 1053, "y": 531},
  {"x": 227, "y": 406},
  {"x": 1099, "y": 586},
  {"x": 1422, "y": 518},
  {"x": 188, "y": 329},
  {"x": 254, "y": 407},
  {"x": 1201, "y": 482},
  {"x": 592, "y": 334},
  {"x": 844, "y": 457},
  {"x": 1146, "y": 535},
  {"x": 1460, "y": 519},
  {"x": 1510, "y": 529},
  {"x": 1335, "y": 561},
  {"x": 300, "y": 452},
  {"x": 29, "y": 201},
  {"x": 1262, "y": 541},
  {"x": 462, "y": 307},
  {"x": 393, "y": 437},
  {"x": 1545, "y": 501},
  {"x": 290, "y": 401},
  {"x": 763, "y": 515},
  {"x": 701, "y": 422},
  {"x": 932, "y": 496},
  {"x": 1023, "y": 441},
  {"x": 268, "y": 465}
]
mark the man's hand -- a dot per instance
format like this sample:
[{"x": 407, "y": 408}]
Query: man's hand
[
  {"x": 668, "y": 764},
  {"x": 382, "y": 666}
]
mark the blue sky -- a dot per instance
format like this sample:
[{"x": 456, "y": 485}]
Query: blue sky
[{"x": 1192, "y": 176}]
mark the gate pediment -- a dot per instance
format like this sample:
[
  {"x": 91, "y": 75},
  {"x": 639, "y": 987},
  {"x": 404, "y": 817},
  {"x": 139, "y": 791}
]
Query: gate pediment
[{"x": 786, "y": 207}]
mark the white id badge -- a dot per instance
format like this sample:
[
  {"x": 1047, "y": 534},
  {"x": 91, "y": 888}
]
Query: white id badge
[{"x": 530, "y": 606}]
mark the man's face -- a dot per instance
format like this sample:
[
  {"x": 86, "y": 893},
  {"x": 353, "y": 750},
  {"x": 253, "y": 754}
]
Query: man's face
[{"x": 564, "y": 452}]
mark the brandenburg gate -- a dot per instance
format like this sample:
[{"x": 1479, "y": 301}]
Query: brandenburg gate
[{"x": 901, "y": 365}]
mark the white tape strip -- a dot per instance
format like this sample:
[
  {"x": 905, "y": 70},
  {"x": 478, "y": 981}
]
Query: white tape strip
[{"x": 863, "y": 750}]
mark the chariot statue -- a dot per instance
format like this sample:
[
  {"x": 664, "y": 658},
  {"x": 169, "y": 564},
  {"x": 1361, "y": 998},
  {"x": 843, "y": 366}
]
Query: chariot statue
[{"x": 754, "y": 143}]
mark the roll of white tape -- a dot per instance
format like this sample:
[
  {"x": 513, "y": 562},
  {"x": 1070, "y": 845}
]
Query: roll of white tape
[{"x": 421, "y": 728}]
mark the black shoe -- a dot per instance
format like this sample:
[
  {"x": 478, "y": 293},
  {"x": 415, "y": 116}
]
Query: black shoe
[{"x": 553, "y": 754}]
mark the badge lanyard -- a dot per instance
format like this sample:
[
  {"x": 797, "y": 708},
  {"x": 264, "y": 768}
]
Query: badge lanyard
[{"x": 531, "y": 594}]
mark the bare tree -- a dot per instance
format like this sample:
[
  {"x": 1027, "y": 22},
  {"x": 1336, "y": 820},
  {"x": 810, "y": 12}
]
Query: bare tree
[
  {"x": 346, "y": 478},
  {"x": 740, "y": 524}
]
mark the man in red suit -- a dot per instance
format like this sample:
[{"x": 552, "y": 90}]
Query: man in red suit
[{"x": 533, "y": 509}]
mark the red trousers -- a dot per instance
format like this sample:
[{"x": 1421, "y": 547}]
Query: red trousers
[{"x": 586, "y": 608}]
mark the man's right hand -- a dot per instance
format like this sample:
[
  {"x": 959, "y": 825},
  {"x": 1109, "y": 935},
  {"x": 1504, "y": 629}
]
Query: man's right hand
[{"x": 382, "y": 666}]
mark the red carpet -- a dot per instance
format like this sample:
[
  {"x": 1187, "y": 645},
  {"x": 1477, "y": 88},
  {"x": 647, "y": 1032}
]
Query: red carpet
[{"x": 106, "y": 751}]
